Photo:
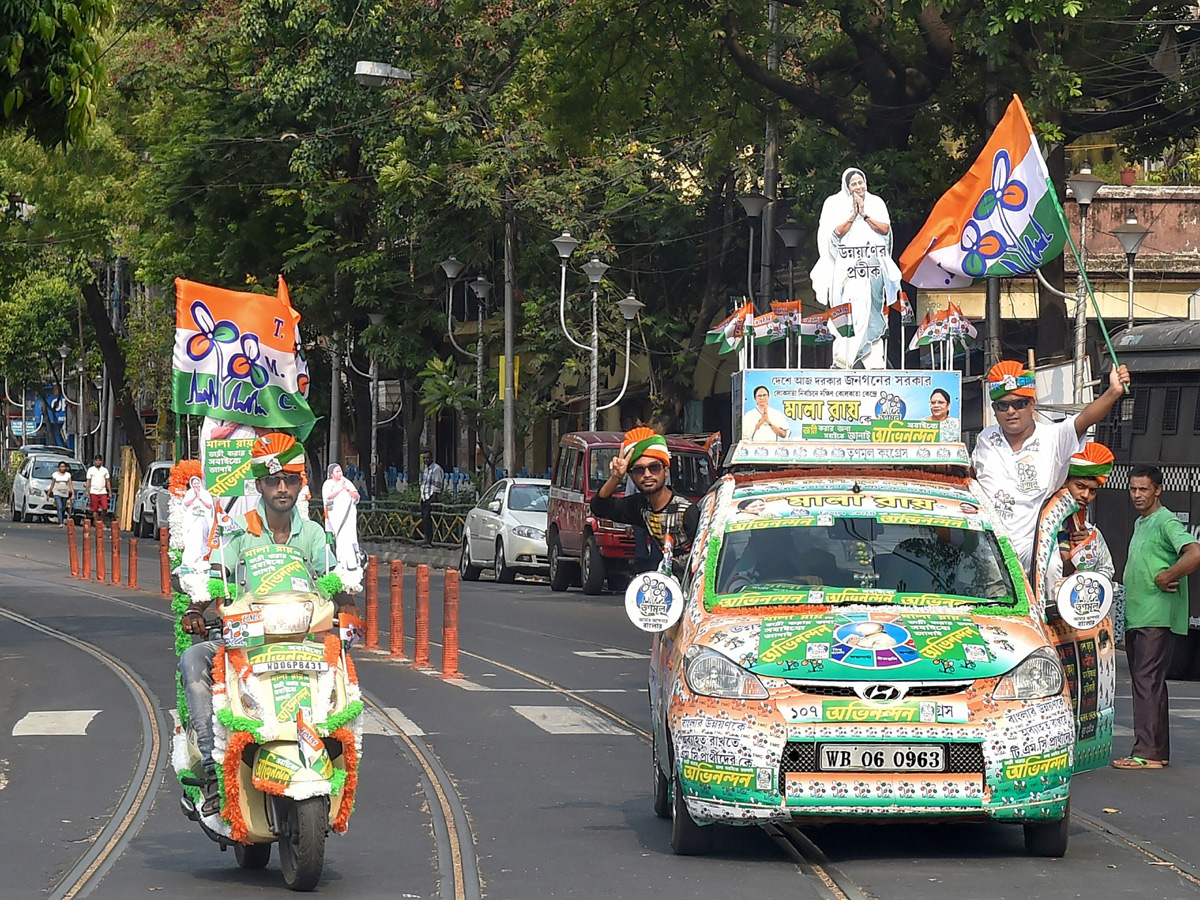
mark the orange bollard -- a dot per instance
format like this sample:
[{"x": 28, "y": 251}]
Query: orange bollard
[
  {"x": 372, "y": 593},
  {"x": 72, "y": 548},
  {"x": 131, "y": 579},
  {"x": 85, "y": 550},
  {"x": 396, "y": 609},
  {"x": 421, "y": 630},
  {"x": 450, "y": 625},
  {"x": 98, "y": 533},
  {"x": 115, "y": 574},
  {"x": 164, "y": 561}
]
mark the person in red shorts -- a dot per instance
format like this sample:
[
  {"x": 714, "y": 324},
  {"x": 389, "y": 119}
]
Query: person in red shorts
[{"x": 99, "y": 487}]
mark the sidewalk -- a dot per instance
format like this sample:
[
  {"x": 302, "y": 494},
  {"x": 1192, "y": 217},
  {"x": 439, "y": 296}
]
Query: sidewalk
[{"x": 440, "y": 556}]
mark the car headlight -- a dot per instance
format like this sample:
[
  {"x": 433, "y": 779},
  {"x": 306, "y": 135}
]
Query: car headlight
[
  {"x": 712, "y": 675},
  {"x": 37, "y": 492},
  {"x": 1039, "y": 676},
  {"x": 528, "y": 531},
  {"x": 285, "y": 618}
]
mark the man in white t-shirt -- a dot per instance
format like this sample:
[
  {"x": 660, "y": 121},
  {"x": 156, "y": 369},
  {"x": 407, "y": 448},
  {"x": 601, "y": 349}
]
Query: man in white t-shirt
[
  {"x": 1020, "y": 462},
  {"x": 764, "y": 423},
  {"x": 99, "y": 487}
]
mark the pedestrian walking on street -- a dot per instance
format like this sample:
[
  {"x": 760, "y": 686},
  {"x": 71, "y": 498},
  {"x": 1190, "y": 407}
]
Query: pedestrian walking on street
[
  {"x": 62, "y": 490},
  {"x": 99, "y": 488},
  {"x": 433, "y": 480},
  {"x": 1161, "y": 555}
]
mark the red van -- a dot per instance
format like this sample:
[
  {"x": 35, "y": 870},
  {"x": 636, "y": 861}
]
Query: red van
[{"x": 585, "y": 550}]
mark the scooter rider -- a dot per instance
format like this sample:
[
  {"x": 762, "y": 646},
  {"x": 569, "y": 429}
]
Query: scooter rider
[
  {"x": 277, "y": 464},
  {"x": 669, "y": 517}
]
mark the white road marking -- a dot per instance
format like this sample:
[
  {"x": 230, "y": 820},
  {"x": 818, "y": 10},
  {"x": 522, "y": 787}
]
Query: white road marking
[
  {"x": 568, "y": 720},
  {"x": 373, "y": 723},
  {"x": 55, "y": 721},
  {"x": 468, "y": 685},
  {"x": 1185, "y": 713},
  {"x": 1122, "y": 731},
  {"x": 611, "y": 653}
]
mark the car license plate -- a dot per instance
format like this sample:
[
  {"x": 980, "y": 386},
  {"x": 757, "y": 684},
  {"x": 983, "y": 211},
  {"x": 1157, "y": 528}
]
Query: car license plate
[{"x": 881, "y": 757}]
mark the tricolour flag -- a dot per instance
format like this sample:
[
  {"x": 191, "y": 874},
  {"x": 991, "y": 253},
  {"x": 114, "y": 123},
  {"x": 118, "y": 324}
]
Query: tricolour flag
[
  {"x": 731, "y": 332},
  {"x": 788, "y": 312},
  {"x": 768, "y": 328},
  {"x": 841, "y": 320},
  {"x": 236, "y": 359},
  {"x": 815, "y": 330},
  {"x": 1001, "y": 219}
]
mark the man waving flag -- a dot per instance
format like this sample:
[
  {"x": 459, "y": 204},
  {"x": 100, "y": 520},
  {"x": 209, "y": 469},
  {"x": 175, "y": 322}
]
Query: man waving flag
[{"x": 1001, "y": 219}]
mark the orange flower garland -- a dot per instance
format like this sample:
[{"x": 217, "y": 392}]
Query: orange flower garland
[
  {"x": 350, "y": 756},
  {"x": 232, "y": 811},
  {"x": 183, "y": 472}
]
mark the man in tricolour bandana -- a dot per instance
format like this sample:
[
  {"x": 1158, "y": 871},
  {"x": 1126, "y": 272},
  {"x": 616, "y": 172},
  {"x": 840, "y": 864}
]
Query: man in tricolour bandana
[{"x": 1019, "y": 462}]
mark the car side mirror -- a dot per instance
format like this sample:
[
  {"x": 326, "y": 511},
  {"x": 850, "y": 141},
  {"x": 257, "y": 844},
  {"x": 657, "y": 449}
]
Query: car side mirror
[{"x": 494, "y": 506}]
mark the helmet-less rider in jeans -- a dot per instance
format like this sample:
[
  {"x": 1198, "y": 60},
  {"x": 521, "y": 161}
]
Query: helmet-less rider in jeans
[{"x": 277, "y": 464}]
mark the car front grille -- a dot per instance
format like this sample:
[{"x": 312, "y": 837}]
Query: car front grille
[
  {"x": 818, "y": 689},
  {"x": 961, "y": 759}
]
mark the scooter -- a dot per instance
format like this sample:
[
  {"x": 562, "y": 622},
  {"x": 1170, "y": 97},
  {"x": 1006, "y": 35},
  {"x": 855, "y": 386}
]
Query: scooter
[{"x": 287, "y": 735}]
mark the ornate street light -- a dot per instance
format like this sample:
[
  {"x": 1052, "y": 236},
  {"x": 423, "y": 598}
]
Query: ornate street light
[
  {"x": 753, "y": 203},
  {"x": 1131, "y": 235},
  {"x": 1083, "y": 187},
  {"x": 629, "y": 307}
]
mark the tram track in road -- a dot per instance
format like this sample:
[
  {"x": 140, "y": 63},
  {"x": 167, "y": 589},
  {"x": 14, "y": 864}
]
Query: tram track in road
[
  {"x": 134, "y": 805},
  {"x": 458, "y": 864}
]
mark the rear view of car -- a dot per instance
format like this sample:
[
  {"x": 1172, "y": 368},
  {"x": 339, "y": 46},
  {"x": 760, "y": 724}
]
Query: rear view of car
[{"x": 587, "y": 551}]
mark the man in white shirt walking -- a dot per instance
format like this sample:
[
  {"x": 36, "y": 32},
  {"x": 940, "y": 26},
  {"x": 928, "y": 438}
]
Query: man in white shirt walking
[
  {"x": 433, "y": 480},
  {"x": 1020, "y": 462},
  {"x": 99, "y": 487}
]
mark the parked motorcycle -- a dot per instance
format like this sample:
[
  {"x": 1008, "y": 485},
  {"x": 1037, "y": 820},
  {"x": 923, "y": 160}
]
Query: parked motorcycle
[{"x": 287, "y": 718}]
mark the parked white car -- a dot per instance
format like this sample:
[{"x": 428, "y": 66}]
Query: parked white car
[
  {"x": 152, "y": 502},
  {"x": 31, "y": 486},
  {"x": 506, "y": 531}
]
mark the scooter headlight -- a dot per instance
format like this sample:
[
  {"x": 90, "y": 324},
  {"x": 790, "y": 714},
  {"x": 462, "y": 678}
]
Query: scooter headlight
[{"x": 285, "y": 618}]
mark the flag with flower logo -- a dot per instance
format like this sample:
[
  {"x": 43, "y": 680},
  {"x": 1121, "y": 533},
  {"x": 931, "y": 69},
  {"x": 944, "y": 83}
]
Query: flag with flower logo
[
  {"x": 730, "y": 334},
  {"x": 236, "y": 358},
  {"x": 1001, "y": 219},
  {"x": 768, "y": 328}
]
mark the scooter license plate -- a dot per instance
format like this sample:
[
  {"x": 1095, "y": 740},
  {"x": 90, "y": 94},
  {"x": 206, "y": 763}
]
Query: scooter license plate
[{"x": 290, "y": 665}]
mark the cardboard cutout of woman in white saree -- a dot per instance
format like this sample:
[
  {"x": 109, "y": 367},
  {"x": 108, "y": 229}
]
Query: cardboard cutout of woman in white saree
[
  {"x": 341, "y": 515},
  {"x": 854, "y": 240}
]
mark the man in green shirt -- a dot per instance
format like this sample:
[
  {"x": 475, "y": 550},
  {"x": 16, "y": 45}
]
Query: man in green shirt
[
  {"x": 1161, "y": 555},
  {"x": 277, "y": 464}
]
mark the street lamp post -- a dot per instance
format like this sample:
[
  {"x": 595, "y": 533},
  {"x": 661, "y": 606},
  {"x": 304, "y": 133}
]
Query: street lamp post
[
  {"x": 481, "y": 288},
  {"x": 629, "y": 307},
  {"x": 753, "y": 204},
  {"x": 1131, "y": 235},
  {"x": 1084, "y": 187},
  {"x": 790, "y": 233},
  {"x": 594, "y": 270},
  {"x": 376, "y": 319}
]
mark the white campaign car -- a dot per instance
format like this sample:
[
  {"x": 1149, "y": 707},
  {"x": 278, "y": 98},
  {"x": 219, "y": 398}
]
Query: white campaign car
[
  {"x": 152, "y": 503},
  {"x": 507, "y": 530},
  {"x": 31, "y": 485}
]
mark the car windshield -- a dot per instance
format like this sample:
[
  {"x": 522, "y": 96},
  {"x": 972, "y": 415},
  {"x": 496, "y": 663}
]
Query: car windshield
[
  {"x": 42, "y": 468},
  {"x": 160, "y": 476},
  {"x": 691, "y": 473},
  {"x": 859, "y": 552},
  {"x": 529, "y": 497}
]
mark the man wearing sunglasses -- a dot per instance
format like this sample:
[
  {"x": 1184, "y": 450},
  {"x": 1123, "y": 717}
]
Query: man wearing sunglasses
[
  {"x": 277, "y": 464},
  {"x": 669, "y": 517},
  {"x": 1019, "y": 462}
]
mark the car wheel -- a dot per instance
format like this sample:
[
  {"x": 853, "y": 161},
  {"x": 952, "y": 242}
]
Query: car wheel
[
  {"x": 23, "y": 515},
  {"x": 468, "y": 571},
  {"x": 560, "y": 569},
  {"x": 504, "y": 574},
  {"x": 591, "y": 567},
  {"x": 687, "y": 838},
  {"x": 16, "y": 513},
  {"x": 662, "y": 787},
  {"x": 1049, "y": 838}
]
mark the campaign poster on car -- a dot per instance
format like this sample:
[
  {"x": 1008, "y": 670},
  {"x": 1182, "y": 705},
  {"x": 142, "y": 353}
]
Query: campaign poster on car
[{"x": 875, "y": 407}]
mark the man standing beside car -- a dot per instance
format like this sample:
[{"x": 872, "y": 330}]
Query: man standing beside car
[
  {"x": 1162, "y": 553},
  {"x": 670, "y": 518},
  {"x": 99, "y": 487}
]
